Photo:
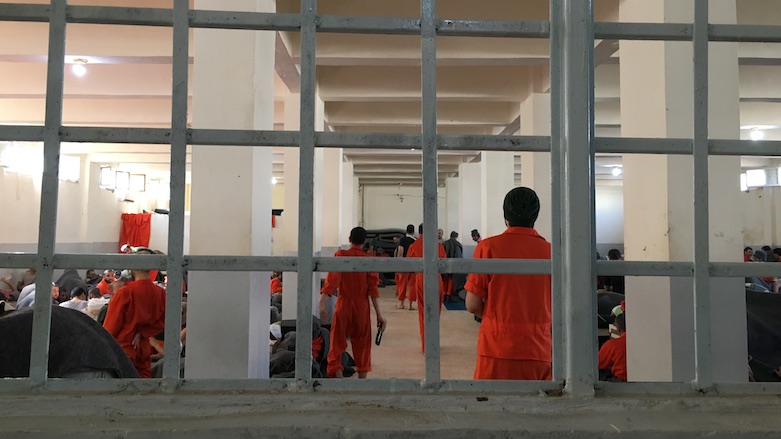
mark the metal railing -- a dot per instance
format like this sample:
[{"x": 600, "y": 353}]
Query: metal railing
[{"x": 572, "y": 144}]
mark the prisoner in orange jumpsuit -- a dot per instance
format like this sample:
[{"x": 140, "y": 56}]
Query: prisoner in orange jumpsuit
[
  {"x": 352, "y": 314},
  {"x": 276, "y": 282},
  {"x": 404, "y": 280},
  {"x": 514, "y": 342},
  {"x": 109, "y": 276},
  {"x": 137, "y": 312},
  {"x": 612, "y": 354},
  {"x": 416, "y": 251}
]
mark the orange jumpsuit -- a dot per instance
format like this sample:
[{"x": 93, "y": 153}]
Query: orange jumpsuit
[
  {"x": 416, "y": 251},
  {"x": 276, "y": 285},
  {"x": 137, "y": 308},
  {"x": 514, "y": 342},
  {"x": 104, "y": 287},
  {"x": 403, "y": 279},
  {"x": 612, "y": 356},
  {"x": 352, "y": 316}
]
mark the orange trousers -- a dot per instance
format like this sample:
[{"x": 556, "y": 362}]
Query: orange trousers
[
  {"x": 447, "y": 281},
  {"x": 421, "y": 301},
  {"x": 402, "y": 284},
  {"x": 489, "y": 368},
  {"x": 357, "y": 325}
]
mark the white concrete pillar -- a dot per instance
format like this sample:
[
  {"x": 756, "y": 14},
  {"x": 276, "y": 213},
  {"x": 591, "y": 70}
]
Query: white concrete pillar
[
  {"x": 469, "y": 204},
  {"x": 452, "y": 197},
  {"x": 656, "y": 101},
  {"x": 332, "y": 196},
  {"x": 347, "y": 216},
  {"x": 233, "y": 182},
  {"x": 535, "y": 166},
  {"x": 497, "y": 176}
]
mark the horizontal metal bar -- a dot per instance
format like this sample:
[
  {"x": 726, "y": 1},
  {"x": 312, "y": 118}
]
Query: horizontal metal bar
[
  {"x": 493, "y": 143},
  {"x": 367, "y": 140},
  {"x": 241, "y": 263},
  {"x": 119, "y": 15},
  {"x": 391, "y": 385},
  {"x": 493, "y": 28},
  {"x": 606, "y": 388},
  {"x": 22, "y": 12},
  {"x": 21, "y": 133},
  {"x": 745, "y": 147},
  {"x": 744, "y": 269},
  {"x": 18, "y": 260},
  {"x": 158, "y": 136},
  {"x": 242, "y": 137},
  {"x": 768, "y": 388},
  {"x": 641, "y": 145},
  {"x": 636, "y": 268},
  {"x": 500, "y": 387},
  {"x": 410, "y": 265},
  {"x": 368, "y": 25},
  {"x": 244, "y": 20},
  {"x": 643, "y": 31},
  {"x": 744, "y": 33},
  {"x": 120, "y": 261}
]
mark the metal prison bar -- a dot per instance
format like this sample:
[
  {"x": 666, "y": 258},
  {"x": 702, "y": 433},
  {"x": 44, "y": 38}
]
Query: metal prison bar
[{"x": 572, "y": 146}]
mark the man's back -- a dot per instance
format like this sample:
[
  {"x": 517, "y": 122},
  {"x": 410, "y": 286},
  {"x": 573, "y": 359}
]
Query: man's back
[
  {"x": 405, "y": 242},
  {"x": 138, "y": 307},
  {"x": 453, "y": 248}
]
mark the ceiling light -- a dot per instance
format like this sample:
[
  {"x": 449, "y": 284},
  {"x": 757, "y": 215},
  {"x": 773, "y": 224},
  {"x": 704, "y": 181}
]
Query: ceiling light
[
  {"x": 757, "y": 134},
  {"x": 617, "y": 171},
  {"x": 79, "y": 67},
  {"x": 274, "y": 180}
]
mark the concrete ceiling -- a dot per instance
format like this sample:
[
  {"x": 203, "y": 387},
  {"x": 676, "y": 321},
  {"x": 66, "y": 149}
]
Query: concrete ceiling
[{"x": 368, "y": 83}]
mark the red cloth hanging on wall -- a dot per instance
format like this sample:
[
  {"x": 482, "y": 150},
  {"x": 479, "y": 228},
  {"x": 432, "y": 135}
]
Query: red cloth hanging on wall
[{"x": 136, "y": 229}]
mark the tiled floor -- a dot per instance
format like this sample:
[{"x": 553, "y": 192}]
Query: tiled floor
[{"x": 399, "y": 355}]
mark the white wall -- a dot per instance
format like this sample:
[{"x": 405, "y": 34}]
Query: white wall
[
  {"x": 610, "y": 214},
  {"x": 761, "y": 212},
  {"x": 395, "y": 207}
]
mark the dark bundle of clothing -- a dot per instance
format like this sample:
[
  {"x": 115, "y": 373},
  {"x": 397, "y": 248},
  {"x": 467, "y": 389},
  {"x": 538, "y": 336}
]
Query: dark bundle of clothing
[
  {"x": 77, "y": 344},
  {"x": 69, "y": 280},
  {"x": 282, "y": 363}
]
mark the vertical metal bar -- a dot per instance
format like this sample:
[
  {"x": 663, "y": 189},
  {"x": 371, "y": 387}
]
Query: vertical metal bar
[
  {"x": 557, "y": 305},
  {"x": 306, "y": 190},
  {"x": 430, "y": 180},
  {"x": 574, "y": 29},
  {"x": 702, "y": 322},
  {"x": 173, "y": 300},
  {"x": 47, "y": 226}
]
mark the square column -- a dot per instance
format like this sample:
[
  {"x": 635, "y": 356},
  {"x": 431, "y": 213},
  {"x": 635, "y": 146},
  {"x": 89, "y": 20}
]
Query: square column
[
  {"x": 234, "y": 181},
  {"x": 656, "y": 101},
  {"x": 535, "y": 166},
  {"x": 497, "y": 169}
]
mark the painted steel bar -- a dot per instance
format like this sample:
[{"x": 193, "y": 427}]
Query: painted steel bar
[
  {"x": 175, "y": 259},
  {"x": 363, "y": 140},
  {"x": 608, "y": 388},
  {"x": 368, "y": 25},
  {"x": 258, "y": 21},
  {"x": 744, "y": 33},
  {"x": 25, "y": 13},
  {"x": 501, "y": 387},
  {"x": 431, "y": 301},
  {"x": 243, "y": 138},
  {"x": 410, "y": 265},
  {"x": 643, "y": 31},
  {"x": 47, "y": 225},
  {"x": 557, "y": 269},
  {"x": 119, "y": 15},
  {"x": 742, "y": 269},
  {"x": 156, "y": 136},
  {"x": 745, "y": 147},
  {"x": 702, "y": 317},
  {"x": 493, "y": 28},
  {"x": 21, "y": 133},
  {"x": 637, "y": 268},
  {"x": 18, "y": 260},
  {"x": 447, "y": 142},
  {"x": 638, "y": 145},
  {"x": 306, "y": 190},
  {"x": 240, "y": 263},
  {"x": 82, "y": 261},
  {"x": 572, "y": 21}
]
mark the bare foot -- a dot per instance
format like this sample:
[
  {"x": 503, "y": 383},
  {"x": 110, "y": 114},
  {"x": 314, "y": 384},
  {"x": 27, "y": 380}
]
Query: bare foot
[
  {"x": 400, "y": 306},
  {"x": 411, "y": 308}
]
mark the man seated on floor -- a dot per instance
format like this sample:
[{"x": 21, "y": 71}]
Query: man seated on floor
[
  {"x": 612, "y": 355},
  {"x": 78, "y": 300}
]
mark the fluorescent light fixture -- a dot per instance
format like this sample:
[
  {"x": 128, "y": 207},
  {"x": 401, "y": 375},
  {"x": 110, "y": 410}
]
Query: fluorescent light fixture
[{"x": 756, "y": 177}]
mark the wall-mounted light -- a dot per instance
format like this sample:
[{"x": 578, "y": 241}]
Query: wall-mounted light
[
  {"x": 274, "y": 181},
  {"x": 79, "y": 67},
  {"x": 756, "y": 134},
  {"x": 617, "y": 171}
]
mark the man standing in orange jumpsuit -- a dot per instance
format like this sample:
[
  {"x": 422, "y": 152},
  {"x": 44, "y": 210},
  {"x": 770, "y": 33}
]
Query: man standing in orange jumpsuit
[
  {"x": 137, "y": 312},
  {"x": 352, "y": 315},
  {"x": 416, "y": 251},
  {"x": 276, "y": 282},
  {"x": 514, "y": 342},
  {"x": 404, "y": 280}
]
